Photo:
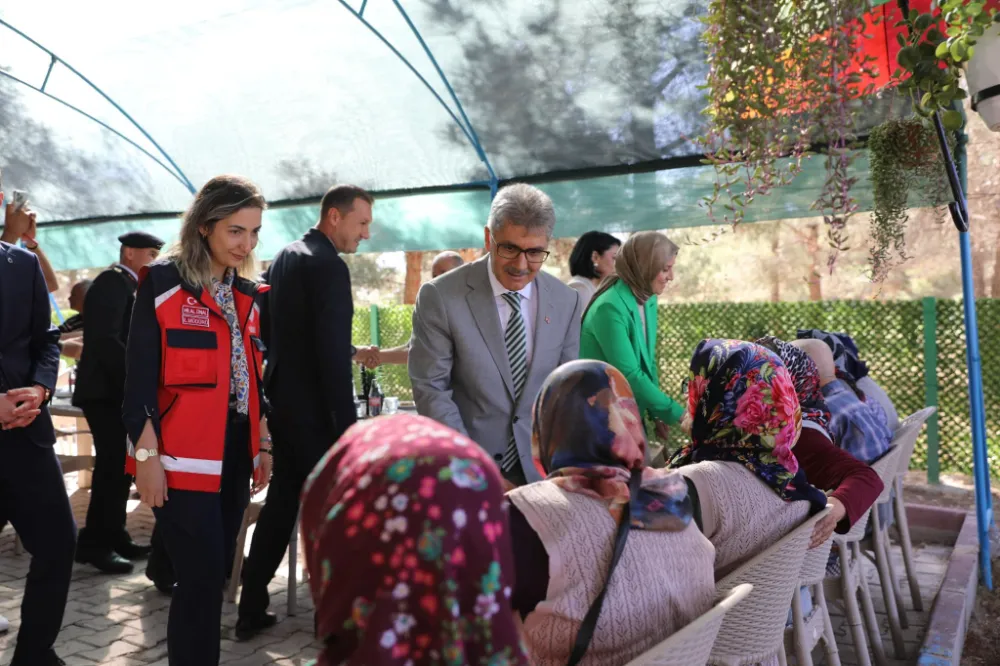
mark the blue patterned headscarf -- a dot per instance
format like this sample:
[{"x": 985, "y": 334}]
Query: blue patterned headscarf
[
  {"x": 744, "y": 409},
  {"x": 588, "y": 437}
]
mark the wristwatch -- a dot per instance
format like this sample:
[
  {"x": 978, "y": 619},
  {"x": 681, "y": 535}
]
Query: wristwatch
[{"x": 142, "y": 455}]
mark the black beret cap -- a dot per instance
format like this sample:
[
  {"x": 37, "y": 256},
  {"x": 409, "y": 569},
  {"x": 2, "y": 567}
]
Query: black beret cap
[{"x": 140, "y": 240}]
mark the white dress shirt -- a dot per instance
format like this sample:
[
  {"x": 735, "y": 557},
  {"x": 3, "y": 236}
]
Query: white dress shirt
[{"x": 529, "y": 308}]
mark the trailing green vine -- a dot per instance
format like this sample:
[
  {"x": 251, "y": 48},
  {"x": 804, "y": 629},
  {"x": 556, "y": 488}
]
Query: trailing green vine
[
  {"x": 904, "y": 157},
  {"x": 782, "y": 76}
]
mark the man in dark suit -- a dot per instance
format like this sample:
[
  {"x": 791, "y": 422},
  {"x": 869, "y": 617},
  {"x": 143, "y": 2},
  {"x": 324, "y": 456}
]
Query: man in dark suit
[
  {"x": 100, "y": 389},
  {"x": 32, "y": 495},
  {"x": 308, "y": 379}
]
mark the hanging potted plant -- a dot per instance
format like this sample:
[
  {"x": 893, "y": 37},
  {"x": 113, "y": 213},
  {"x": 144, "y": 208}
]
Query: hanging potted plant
[
  {"x": 904, "y": 157},
  {"x": 983, "y": 75},
  {"x": 935, "y": 51},
  {"x": 783, "y": 76}
]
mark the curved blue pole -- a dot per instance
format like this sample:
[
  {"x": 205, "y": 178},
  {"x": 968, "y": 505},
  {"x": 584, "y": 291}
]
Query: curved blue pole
[
  {"x": 183, "y": 178},
  {"x": 454, "y": 97},
  {"x": 104, "y": 125},
  {"x": 412, "y": 69},
  {"x": 977, "y": 411}
]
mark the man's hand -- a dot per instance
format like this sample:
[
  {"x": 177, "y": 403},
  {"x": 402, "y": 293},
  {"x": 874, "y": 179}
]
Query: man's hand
[
  {"x": 151, "y": 481},
  {"x": 28, "y": 401},
  {"x": 32, "y": 230},
  {"x": 262, "y": 475},
  {"x": 17, "y": 223},
  {"x": 368, "y": 357},
  {"x": 824, "y": 528},
  {"x": 6, "y": 408}
]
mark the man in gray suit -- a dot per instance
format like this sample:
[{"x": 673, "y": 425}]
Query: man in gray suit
[{"x": 486, "y": 335}]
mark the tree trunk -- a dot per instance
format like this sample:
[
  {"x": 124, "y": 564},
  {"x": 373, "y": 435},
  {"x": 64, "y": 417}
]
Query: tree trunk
[
  {"x": 775, "y": 269},
  {"x": 979, "y": 254},
  {"x": 470, "y": 254},
  {"x": 414, "y": 262},
  {"x": 815, "y": 277},
  {"x": 995, "y": 287}
]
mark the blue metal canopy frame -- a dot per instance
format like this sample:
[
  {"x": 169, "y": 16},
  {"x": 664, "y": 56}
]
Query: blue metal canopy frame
[
  {"x": 464, "y": 123},
  {"x": 461, "y": 119},
  {"x": 172, "y": 169}
]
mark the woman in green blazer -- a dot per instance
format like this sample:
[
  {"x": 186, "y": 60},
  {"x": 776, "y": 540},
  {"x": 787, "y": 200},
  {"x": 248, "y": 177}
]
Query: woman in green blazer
[{"x": 619, "y": 326}]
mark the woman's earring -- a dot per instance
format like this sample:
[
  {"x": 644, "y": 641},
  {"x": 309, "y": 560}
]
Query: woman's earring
[{"x": 596, "y": 270}]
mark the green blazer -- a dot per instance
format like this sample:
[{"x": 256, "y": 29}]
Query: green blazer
[{"x": 612, "y": 332}]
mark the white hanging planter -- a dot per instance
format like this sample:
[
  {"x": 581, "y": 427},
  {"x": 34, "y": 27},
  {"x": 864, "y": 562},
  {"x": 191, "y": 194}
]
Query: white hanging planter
[{"x": 983, "y": 76}]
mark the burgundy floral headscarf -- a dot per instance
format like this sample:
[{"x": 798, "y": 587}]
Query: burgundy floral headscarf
[{"x": 408, "y": 550}]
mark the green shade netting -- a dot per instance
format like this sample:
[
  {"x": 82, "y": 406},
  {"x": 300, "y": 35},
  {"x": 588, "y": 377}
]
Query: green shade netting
[{"x": 300, "y": 94}]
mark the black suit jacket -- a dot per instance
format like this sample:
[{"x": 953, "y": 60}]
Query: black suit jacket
[
  {"x": 308, "y": 379},
  {"x": 29, "y": 350},
  {"x": 100, "y": 375}
]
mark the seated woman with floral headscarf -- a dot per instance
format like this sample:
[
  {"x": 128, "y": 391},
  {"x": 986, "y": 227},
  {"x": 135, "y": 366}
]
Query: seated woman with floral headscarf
[
  {"x": 589, "y": 439},
  {"x": 853, "y": 485},
  {"x": 408, "y": 549},
  {"x": 744, "y": 419}
]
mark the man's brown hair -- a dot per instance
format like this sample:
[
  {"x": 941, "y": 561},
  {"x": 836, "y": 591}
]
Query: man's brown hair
[{"x": 342, "y": 197}]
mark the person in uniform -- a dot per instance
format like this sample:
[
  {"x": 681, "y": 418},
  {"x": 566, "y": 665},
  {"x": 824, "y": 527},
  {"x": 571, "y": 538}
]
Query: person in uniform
[
  {"x": 77, "y": 298},
  {"x": 100, "y": 390}
]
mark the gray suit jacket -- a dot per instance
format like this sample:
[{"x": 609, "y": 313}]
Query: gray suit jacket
[{"x": 458, "y": 362}]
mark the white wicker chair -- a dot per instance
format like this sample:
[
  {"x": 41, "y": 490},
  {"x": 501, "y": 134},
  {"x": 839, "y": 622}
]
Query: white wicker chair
[
  {"x": 887, "y": 468},
  {"x": 754, "y": 632},
  {"x": 906, "y": 439},
  {"x": 806, "y": 632},
  {"x": 691, "y": 645},
  {"x": 852, "y": 580}
]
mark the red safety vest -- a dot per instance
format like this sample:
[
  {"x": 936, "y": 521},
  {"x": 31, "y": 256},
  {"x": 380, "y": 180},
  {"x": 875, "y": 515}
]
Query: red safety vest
[{"x": 194, "y": 377}]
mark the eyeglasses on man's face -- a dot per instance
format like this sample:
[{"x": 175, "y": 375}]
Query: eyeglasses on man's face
[{"x": 534, "y": 255}]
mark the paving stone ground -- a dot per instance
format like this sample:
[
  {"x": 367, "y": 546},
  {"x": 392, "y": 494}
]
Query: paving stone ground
[{"x": 122, "y": 620}]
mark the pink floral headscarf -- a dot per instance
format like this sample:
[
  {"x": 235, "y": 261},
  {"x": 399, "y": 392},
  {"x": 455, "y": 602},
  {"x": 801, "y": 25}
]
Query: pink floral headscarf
[{"x": 744, "y": 409}]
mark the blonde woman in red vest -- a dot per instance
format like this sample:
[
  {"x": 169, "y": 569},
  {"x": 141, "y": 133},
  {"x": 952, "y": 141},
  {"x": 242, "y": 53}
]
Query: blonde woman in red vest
[{"x": 194, "y": 406}]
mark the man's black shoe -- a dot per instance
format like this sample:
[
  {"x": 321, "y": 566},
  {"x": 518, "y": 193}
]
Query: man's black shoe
[
  {"x": 249, "y": 626},
  {"x": 130, "y": 550},
  {"x": 162, "y": 583},
  {"x": 107, "y": 561},
  {"x": 47, "y": 659}
]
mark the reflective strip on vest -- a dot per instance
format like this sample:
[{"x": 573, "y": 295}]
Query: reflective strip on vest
[
  {"x": 192, "y": 465},
  {"x": 256, "y": 461},
  {"x": 165, "y": 296}
]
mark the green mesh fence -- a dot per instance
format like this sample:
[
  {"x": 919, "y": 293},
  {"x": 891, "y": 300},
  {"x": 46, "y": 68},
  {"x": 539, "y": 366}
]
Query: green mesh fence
[{"x": 890, "y": 335}]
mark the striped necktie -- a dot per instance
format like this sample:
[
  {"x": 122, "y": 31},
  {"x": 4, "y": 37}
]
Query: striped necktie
[{"x": 517, "y": 355}]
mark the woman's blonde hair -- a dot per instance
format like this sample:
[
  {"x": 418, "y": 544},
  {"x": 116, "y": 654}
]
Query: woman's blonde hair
[
  {"x": 216, "y": 200},
  {"x": 638, "y": 262}
]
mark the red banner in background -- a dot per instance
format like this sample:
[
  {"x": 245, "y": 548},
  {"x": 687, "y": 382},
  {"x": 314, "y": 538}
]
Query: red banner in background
[{"x": 882, "y": 43}]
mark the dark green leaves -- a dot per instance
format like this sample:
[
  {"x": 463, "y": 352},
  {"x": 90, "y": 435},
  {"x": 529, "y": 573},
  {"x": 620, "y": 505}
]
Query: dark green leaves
[{"x": 952, "y": 120}]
